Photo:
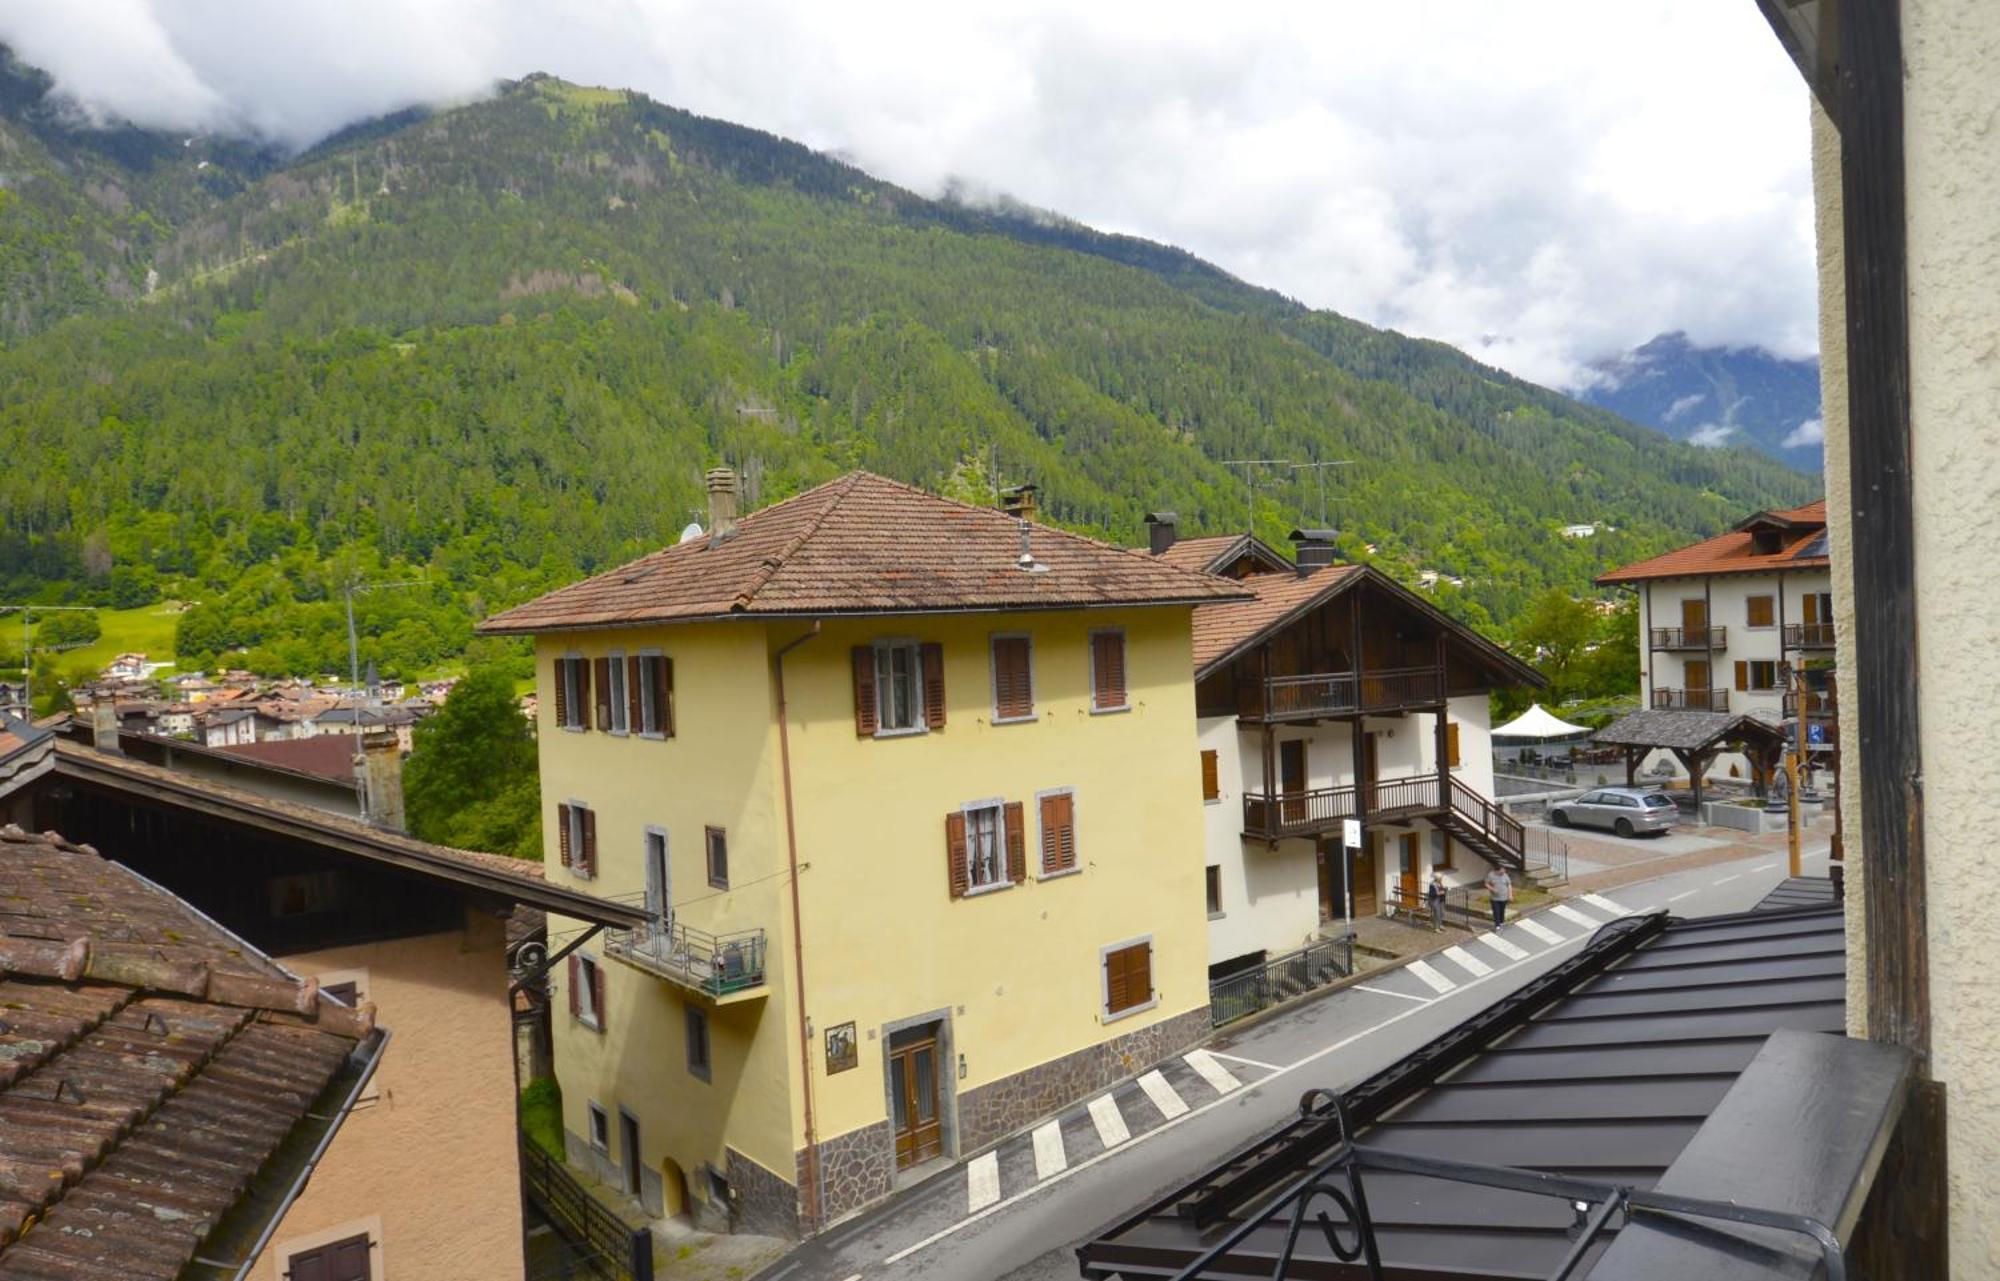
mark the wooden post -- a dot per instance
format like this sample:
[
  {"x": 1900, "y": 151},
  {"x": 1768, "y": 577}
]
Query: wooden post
[
  {"x": 1631, "y": 767},
  {"x": 1794, "y": 763},
  {"x": 1442, "y": 734}
]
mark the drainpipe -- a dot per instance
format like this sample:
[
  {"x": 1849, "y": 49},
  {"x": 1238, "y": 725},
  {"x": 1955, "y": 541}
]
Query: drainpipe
[{"x": 817, "y": 1202}]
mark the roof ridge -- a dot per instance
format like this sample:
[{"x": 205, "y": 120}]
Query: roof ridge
[{"x": 776, "y": 561}]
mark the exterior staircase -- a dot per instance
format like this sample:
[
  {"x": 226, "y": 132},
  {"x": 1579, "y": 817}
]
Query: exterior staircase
[{"x": 1487, "y": 830}]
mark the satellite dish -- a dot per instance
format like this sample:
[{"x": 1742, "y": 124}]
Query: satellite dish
[{"x": 692, "y": 532}]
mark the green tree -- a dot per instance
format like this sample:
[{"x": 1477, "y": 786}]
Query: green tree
[
  {"x": 472, "y": 779},
  {"x": 68, "y": 627}
]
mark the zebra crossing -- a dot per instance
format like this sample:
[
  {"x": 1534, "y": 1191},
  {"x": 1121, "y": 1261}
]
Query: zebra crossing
[{"x": 1476, "y": 958}]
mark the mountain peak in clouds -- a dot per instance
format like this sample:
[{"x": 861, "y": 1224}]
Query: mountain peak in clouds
[{"x": 1716, "y": 396}]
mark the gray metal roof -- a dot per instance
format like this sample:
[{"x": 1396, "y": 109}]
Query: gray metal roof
[{"x": 1688, "y": 731}]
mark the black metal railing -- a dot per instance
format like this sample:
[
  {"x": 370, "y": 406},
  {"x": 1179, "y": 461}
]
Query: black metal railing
[
  {"x": 1315, "y": 694},
  {"x": 1554, "y": 857},
  {"x": 1690, "y": 700},
  {"x": 1809, "y": 636},
  {"x": 1459, "y": 907},
  {"x": 1816, "y": 704},
  {"x": 1690, "y": 637},
  {"x": 1320, "y": 809},
  {"x": 605, "y": 1242},
  {"x": 715, "y": 964},
  {"x": 1280, "y": 979}
]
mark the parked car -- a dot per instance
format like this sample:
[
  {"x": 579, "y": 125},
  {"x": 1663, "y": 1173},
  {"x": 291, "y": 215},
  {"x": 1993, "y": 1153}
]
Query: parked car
[{"x": 1627, "y": 811}]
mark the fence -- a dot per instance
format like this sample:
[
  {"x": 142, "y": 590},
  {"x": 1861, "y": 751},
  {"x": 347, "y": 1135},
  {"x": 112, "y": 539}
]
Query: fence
[
  {"x": 1290, "y": 975},
  {"x": 1554, "y": 855},
  {"x": 1458, "y": 907},
  {"x": 609, "y": 1246}
]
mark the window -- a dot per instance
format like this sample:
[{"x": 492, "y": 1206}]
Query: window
[
  {"x": 650, "y": 678},
  {"x": 898, "y": 687},
  {"x": 349, "y": 1259},
  {"x": 1761, "y": 611},
  {"x": 576, "y": 838},
  {"x": 1013, "y": 679},
  {"x": 620, "y": 705},
  {"x": 572, "y": 693},
  {"x": 1214, "y": 891},
  {"x": 1443, "y": 855},
  {"x": 586, "y": 991},
  {"x": 985, "y": 847},
  {"x": 1128, "y": 978},
  {"x": 1757, "y": 674},
  {"x": 1058, "y": 832},
  {"x": 718, "y": 858},
  {"x": 600, "y": 1127},
  {"x": 1211, "y": 776},
  {"x": 697, "y": 1041},
  {"x": 1107, "y": 671}
]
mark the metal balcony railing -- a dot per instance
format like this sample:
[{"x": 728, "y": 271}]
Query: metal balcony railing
[
  {"x": 1817, "y": 705},
  {"x": 716, "y": 964},
  {"x": 1690, "y": 637},
  {"x": 1316, "y": 694},
  {"x": 1320, "y": 809},
  {"x": 1690, "y": 700},
  {"x": 1809, "y": 636}
]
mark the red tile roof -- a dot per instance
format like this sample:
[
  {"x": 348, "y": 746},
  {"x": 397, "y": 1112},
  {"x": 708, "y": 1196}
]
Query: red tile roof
[
  {"x": 864, "y": 544},
  {"x": 329, "y": 756},
  {"x": 1199, "y": 553},
  {"x": 1222, "y": 629},
  {"x": 1732, "y": 552},
  {"x": 150, "y": 1065}
]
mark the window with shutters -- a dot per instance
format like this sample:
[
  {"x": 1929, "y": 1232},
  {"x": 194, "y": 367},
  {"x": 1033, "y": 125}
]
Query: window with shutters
[
  {"x": 576, "y": 838},
  {"x": 1128, "y": 978},
  {"x": 985, "y": 845},
  {"x": 1214, "y": 891},
  {"x": 348, "y": 1259},
  {"x": 1058, "y": 831},
  {"x": 718, "y": 858},
  {"x": 652, "y": 677},
  {"x": 1013, "y": 679},
  {"x": 1757, "y": 674},
  {"x": 899, "y": 687},
  {"x": 618, "y": 700},
  {"x": 600, "y": 1126},
  {"x": 697, "y": 1042},
  {"x": 587, "y": 992},
  {"x": 1761, "y": 611},
  {"x": 1211, "y": 776},
  {"x": 573, "y": 693},
  {"x": 1107, "y": 671}
]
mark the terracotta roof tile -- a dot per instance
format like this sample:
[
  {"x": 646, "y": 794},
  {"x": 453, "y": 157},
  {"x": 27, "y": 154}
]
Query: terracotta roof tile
[
  {"x": 1199, "y": 553},
  {"x": 329, "y": 756},
  {"x": 1732, "y": 552},
  {"x": 1221, "y": 628},
  {"x": 864, "y": 544}
]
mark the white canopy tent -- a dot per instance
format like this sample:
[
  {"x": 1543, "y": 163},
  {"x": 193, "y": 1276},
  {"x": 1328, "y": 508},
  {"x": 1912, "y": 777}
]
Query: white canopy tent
[{"x": 1538, "y": 725}]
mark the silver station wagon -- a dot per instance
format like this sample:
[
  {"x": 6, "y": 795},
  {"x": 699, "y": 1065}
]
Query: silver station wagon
[{"x": 1627, "y": 811}]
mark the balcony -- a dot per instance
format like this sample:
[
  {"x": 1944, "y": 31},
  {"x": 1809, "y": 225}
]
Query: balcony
[
  {"x": 1701, "y": 638},
  {"x": 1321, "y": 809},
  {"x": 721, "y": 967},
  {"x": 1690, "y": 700},
  {"x": 1808, "y": 635},
  {"x": 1319, "y": 695},
  {"x": 1819, "y": 706}
]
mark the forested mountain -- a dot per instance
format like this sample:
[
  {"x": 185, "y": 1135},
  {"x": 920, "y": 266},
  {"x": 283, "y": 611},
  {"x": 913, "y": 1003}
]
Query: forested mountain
[
  {"x": 1718, "y": 395},
  {"x": 497, "y": 345}
]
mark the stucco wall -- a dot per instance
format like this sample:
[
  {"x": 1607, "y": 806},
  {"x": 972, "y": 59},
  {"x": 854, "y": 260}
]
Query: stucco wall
[
  {"x": 1270, "y": 897},
  {"x": 428, "y": 1165}
]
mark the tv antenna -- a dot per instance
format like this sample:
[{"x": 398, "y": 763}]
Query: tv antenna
[
  {"x": 1250, "y": 485},
  {"x": 1319, "y": 471}
]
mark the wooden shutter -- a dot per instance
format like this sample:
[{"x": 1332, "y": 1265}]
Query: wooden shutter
[
  {"x": 587, "y": 857},
  {"x": 1058, "y": 833},
  {"x": 954, "y": 854},
  {"x": 1114, "y": 982},
  {"x": 1013, "y": 693},
  {"x": 1742, "y": 674},
  {"x": 1128, "y": 977},
  {"x": 575, "y": 992},
  {"x": 597, "y": 996},
  {"x": 562, "y": 834},
  {"x": 1211, "y": 780},
  {"x": 1758, "y": 609},
  {"x": 1013, "y": 816},
  {"x": 865, "y": 707},
  {"x": 933, "y": 660},
  {"x": 666, "y": 687},
  {"x": 1138, "y": 976},
  {"x": 1451, "y": 744},
  {"x": 562, "y": 692},
  {"x": 1107, "y": 652},
  {"x": 602, "y": 668},
  {"x": 635, "y": 695}
]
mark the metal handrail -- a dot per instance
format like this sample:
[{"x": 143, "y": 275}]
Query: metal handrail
[
  {"x": 1809, "y": 636},
  {"x": 609, "y": 1246},
  {"x": 717, "y": 964},
  {"x": 1690, "y": 700},
  {"x": 1457, "y": 899},
  {"x": 1279, "y": 979},
  {"x": 1689, "y": 638}
]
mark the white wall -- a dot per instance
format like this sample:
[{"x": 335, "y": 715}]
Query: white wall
[{"x": 1270, "y": 897}]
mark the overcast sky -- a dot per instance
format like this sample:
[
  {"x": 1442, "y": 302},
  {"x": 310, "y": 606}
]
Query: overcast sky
[{"x": 1540, "y": 182}]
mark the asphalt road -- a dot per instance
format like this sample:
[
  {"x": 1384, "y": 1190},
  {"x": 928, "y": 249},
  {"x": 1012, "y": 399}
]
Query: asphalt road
[{"x": 1016, "y": 1214}]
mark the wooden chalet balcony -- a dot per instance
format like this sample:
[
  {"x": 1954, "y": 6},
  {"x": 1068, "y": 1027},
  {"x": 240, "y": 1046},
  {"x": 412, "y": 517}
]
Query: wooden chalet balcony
[
  {"x": 1809, "y": 636},
  {"x": 1325, "y": 694},
  {"x": 1818, "y": 706},
  {"x": 1703, "y": 638},
  {"x": 1690, "y": 700},
  {"x": 722, "y": 967},
  {"x": 1321, "y": 809}
]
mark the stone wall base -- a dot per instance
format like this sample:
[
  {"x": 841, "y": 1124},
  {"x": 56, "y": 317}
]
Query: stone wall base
[
  {"x": 857, "y": 1169},
  {"x": 764, "y": 1203}
]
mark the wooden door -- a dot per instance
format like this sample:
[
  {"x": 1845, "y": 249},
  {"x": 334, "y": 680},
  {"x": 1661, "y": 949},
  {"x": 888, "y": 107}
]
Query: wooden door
[
  {"x": 628, "y": 1150},
  {"x": 1814, "y": 613},
  {"x": 1409, "y": 869},
  {"x": 1368, "y": 770},
  {"x": 1332, "y": 866},
  {"x": 1367, "y": 898},
  {"x": 913, "y": 1095},
  {"x": 1694, "y": 620},
  {"x": 1292, "y": 778},
  {"x": 1695, "y": 673}
]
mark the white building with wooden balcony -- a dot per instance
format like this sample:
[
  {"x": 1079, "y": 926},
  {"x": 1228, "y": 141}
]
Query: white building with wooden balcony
[{"x": 1335, "y": 693}]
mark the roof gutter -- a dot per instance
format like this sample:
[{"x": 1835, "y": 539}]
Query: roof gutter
[{"x": 817, "y": 1201}]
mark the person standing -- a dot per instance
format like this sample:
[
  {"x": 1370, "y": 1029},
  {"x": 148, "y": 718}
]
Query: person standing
[
  {"x": 1435, "y": 897},
  {"x": 1499, "y": 888}
]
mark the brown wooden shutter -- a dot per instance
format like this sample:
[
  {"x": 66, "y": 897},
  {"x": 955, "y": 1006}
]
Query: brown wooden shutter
[
  {"x": 865, "y": 707},
  {"x": 1013, "y": 693},
  {"x": 1058, "y": 833},
  {"x": 1451, "y": 744},
  {"x": 1051, "y": 855},
  {"x": 1013, "y": 815},
  {"x": 1108, "y": 669},
  {"x": 602, "y": 667},
  {"x": 933, "y": 658},
  {"x": 635, "y": 695},
  {"x": 588, "y": 859},
  {"x": 562, "y": 693},
  {"x": 1742, "y": 674},
  {"x": 954, "y": 853},
  {"x": 1138, "y": 976},
  {"x": 597, "y": 996},
  {"x": 575, "y": 994},
  {"x": 1116, "y": 989},
  {"x": 562, "y": 834},
  {"x": 1211, "y": 777}
]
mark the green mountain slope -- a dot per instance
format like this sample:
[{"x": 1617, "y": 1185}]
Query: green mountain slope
[{"x": 500, "y": 343}]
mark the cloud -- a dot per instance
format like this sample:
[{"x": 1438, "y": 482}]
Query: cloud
[
  {"x": 1711, "y": 435},
  {"x": 1810, "y": 434},
  {"x": 1682, "y": 405},
  {"x": 1541, "y": 185}
]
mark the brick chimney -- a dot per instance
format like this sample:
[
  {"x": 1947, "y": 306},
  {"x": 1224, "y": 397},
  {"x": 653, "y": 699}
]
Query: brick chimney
[
  {"x": 1019, "y": 502},
  {"x": 721, "y": 504},
  {"x": 379, "y": 769},
  {"x": 1162, "y": 531},
  {"x": 104, "y": 724}
]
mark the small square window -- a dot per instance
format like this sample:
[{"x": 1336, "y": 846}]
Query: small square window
[
  {"x": 697, "y": 1042},
  {"x": 718, "y": 858},
  {"x": 600, "y": 1127},
  {"x": 587, "y": 989},
  {"x": 1214, "y": 891}
]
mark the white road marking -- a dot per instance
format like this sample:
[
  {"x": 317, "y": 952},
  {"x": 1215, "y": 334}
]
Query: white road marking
[
  {"x": 1429, "y": 977},
  {"x": 1383, "y": 991},
  {"x": 1238, "y": 1058},
  {"x": 982, "y": 1182},
  {"x": 1110, "y": 1122},
  {"x": 1162, "y": 1094},
  {"x": 1606, "y": 905},
  {"x": 1217, "y": 1076},
  {"x": 1539, "y": 930},
  {"x": 1575, "y": 917},
  {"x": 1466, "y": 961},
  {"x": 1678, "y": 897},
  {"x": 1050, "y": 1158},
  {"x": 1504, "y": 947},
  {"x": 1763, "y": 867},
  {"x": 1727, "y": 879}
]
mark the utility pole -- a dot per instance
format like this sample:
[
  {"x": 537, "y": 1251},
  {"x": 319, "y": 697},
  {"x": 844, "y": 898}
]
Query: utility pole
[
  {"x": 1794, "y": 760},
  {"x": 1250, "y": 485},
  {"x": 28, "y": 613},
  {"x": 1319, "y": 471}
]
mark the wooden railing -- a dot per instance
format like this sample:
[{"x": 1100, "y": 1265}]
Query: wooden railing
[
  {"x": 1315, "y": 694},
  {"x": 1321, "y": 809},
  {"x": 1809, "y": 636},
  {"x": 1690, "y": 700},
  {"x": 1482, "y": 815},
  {"x": 1690, "y": 637},
  {"x": 1817, "y": 704}
]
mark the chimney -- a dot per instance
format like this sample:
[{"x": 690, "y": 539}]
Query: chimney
[
  {"x": 1314, "y": 549},
  {"x": 721, "y": 504},
  {"x": 104, "y": 724},
  {"x": 1162, "y": 531},
  {"x": 379, "y": 769},
  {"x": 1019, "y": 502}
]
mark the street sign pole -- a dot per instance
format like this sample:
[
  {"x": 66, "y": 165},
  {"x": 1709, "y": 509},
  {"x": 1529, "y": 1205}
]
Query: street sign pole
[{"x": 1350, "y": 841}]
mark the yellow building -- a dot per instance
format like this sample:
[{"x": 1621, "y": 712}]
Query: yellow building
[{"x": 911, "y": 791}]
